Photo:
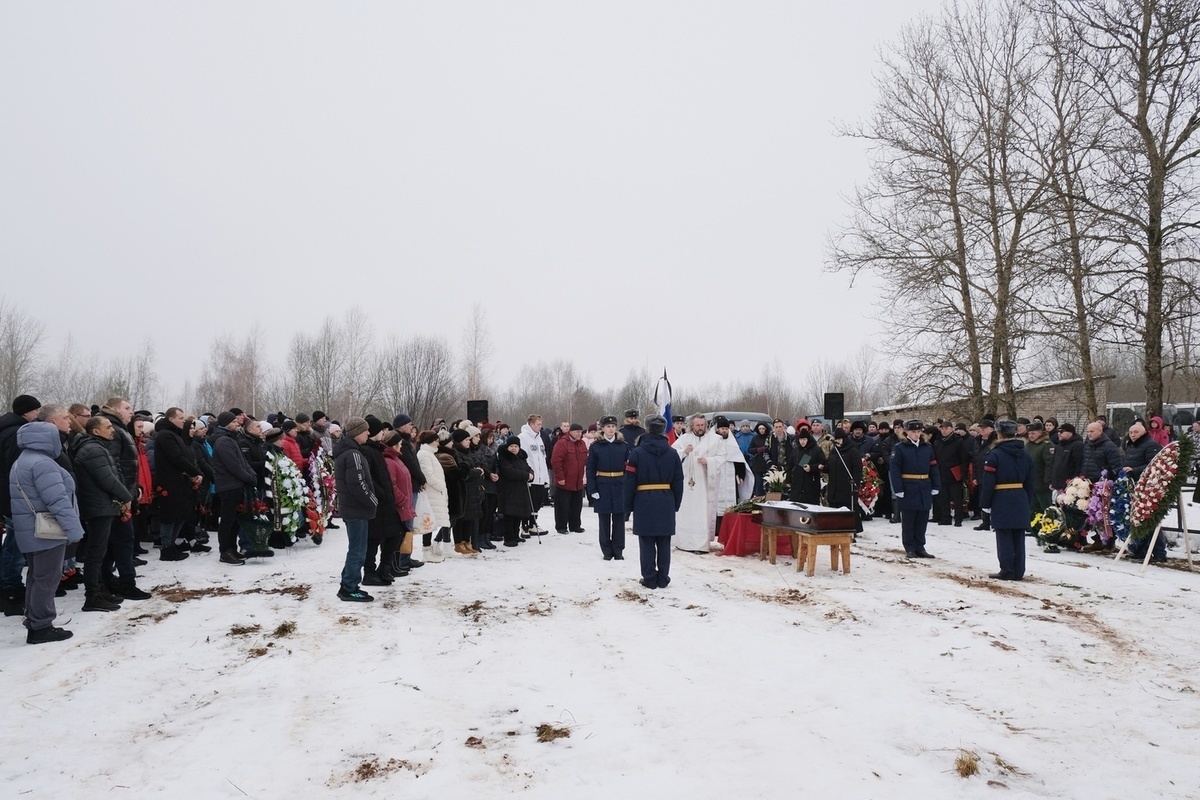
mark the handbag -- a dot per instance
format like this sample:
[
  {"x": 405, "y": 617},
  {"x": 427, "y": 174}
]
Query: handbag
[
  {"x": 45, "y": 525},
  {"x": 423, "y": 523}
]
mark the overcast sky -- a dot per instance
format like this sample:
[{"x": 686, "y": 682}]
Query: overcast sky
[{"x": 622, "y": 184}]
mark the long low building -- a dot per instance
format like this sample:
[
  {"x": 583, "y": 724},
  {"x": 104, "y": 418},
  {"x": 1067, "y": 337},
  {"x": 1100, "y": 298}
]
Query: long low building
[{"x": 1063, "y": 400}]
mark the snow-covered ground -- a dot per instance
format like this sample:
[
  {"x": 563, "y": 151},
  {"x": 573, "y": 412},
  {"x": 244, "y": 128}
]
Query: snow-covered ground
[{"x": 741, "y": 680}]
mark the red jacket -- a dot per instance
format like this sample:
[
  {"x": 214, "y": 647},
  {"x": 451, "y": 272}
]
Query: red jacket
[
  {"x": 401, "y": 484},
  {"x": 292, "y": 448},
  {"x": 569, "y": 463}
]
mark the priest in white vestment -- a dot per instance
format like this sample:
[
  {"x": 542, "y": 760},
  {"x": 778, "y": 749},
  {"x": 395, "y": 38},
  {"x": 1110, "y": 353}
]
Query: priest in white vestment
[{"x": 712, "y": 478}]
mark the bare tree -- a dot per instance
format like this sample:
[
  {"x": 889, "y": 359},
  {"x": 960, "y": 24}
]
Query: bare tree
[
  {"x": 1141, "y": 58},
  {"x": 71, "y": 378},
  {"x": 134, "y": 377},
  {"x": 417, "y": 377},
  {"x": 234, "y": 375},
  {"x": 21, "y": 337},
  {"x": 477, "y": 351}
]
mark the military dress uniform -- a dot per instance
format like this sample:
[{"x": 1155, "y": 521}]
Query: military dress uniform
[
  {"x": 914, "y": 481},
  {"x": 1007, "y": 489},
  {"x": 653, "y": 493},
  {"x": 606, "y": 488}
]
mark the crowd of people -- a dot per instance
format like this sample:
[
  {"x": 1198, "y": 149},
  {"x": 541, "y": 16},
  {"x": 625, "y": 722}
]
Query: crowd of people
[{"x": 88, "y": 486}]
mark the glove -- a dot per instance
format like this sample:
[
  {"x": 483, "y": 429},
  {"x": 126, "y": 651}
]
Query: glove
[
  {"x": 595, "y": 495},
  {"x": 935, "y": 491},
  {"x": 899, "y": 494}
]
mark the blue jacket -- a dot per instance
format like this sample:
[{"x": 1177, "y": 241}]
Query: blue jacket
[
  {"x": 610, "y": 457},
  {"x": 653, "y": 462},
  {"x": 743, "y": 440},
  {"x": 910, "y": 459},
  {"x": 1008, "y": 484},
  {"x": 48, "y": 486}
]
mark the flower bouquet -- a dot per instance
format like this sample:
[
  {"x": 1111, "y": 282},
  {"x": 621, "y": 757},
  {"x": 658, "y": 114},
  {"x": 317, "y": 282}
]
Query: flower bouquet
[
  {"x": 1118, "y": 507},
  {"x": 255, "y": 520},
  {"x": 1074, "y": 502},
  {"x": 321, "y": 498},
  {"x": 868, "y": 487},
  {"x": 776, "y": 483},
  {"x": 1052, "y": 530},
  {"x": 1158, "y": 488}
]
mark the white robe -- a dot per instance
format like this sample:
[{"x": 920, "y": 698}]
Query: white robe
[{"x": 708, "y": 489}]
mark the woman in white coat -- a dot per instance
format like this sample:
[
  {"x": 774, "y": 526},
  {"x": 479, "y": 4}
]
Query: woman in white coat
[{"x": 436, "y": 493}]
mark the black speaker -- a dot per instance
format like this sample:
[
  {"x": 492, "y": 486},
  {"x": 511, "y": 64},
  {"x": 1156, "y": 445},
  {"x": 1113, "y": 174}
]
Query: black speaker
[
  {"x": 835, "y": 406},
  {"x": 477, "y": 411}
]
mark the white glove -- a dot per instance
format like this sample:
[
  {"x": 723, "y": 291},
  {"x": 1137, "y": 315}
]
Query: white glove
[
  {"x": 935, "y": 491},
  {"x": 899, "y": 494},
  {"x": 595, "y": 495}
]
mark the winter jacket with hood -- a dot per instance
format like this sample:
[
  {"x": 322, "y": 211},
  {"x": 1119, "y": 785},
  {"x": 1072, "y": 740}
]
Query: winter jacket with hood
[
  {"x": 1159, "y": 434},
  {"x": 97, "y": 480},
  {"x": 435, "y": 485},
  {"x": 231, "y": 470},
  {"x": 536, "y": 454},
  {"x": 352, "y": 480},
  {"x": 48, "y": 486}
]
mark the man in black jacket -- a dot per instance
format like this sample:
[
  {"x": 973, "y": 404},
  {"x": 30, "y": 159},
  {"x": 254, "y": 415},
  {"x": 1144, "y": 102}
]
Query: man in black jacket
[
  {"x": 103, "y": 498},
  {"x": 233, "y": 477},
  {"x": 122, "y": 539},
  {"x": 984, "y": 444},
  {"x": 358, "y": 503},
  {"x": 1067, "y": 458},
  {"x": 12, "y": 560},
  {"x": 1099, "y": 453}
]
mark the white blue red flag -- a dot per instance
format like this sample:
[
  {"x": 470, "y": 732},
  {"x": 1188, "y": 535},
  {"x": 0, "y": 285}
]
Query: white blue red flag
[{"x": 662, "y": 399}]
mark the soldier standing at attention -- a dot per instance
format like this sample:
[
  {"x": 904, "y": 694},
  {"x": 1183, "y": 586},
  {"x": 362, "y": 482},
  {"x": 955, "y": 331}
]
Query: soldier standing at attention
[
  {"x": 653, "y": 492},
  {"x": 1007, "y": 489},
  {"x": 915, "y": 481},
  {"x": 605, "y": 486}
]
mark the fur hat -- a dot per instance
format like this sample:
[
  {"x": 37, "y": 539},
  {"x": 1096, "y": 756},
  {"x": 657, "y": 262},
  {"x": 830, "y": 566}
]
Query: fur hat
[
  {"x": 1007, "y": 427},
  {"x": 354, "y": 426},
  {"x": 608, "y": 419},
  {"x": 914, "y": 425},
  {"x": 632, "y": 413},
  {"x": 22, "y": 404},
  {"x": 656, "y": 423},
  {"x": 273, "y": 434}
]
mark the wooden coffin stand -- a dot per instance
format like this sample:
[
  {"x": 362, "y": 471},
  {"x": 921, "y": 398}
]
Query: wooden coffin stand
[{"x": 809, "y": 527}]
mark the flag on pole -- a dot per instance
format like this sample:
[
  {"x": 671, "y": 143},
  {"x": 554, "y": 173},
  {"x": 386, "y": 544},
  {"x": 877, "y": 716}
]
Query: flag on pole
[{"x": 662, "y": 399}]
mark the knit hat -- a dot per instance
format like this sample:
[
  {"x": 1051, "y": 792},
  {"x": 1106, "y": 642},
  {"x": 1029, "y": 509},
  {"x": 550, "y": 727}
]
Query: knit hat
[
  {"x": 288, "y": 425},
  {"x": 744, "y": 423},
  {"x": 803, "y": 423},
  {"x": 459, "y": 435},
  {"x": 593, "y": 428},
  {"x": 24, "y": 403},
  {"x": 471, "y": 429},
  {"x": 656, "y": 424},
  {"x": 333, "y": 428},
  {"x": 1067, "y": 427},
  {"x": 198, "y": 424},
  {"x": 510, "y": 441},
  {"x": 318, "y": 416},
  {"x": 302, "y": 418},
  {"x": 236, "y": 411},
  {"x": 575, "y": 426},
  {"x": 374, "y": 425},
  {"x": 354, "y": 426},
  {"x": 392, "y": 438},
  {"x": 225, "y": 417},
  {"x": 720, "y": 422},
  {"x": 427, "y": 437},
  {"x": 400, "y": 420}
]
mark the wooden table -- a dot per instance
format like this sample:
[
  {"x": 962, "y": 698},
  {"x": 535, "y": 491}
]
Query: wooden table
[
  {"x": 768, "y": 545},
  {"x": 839, "y": 546}
]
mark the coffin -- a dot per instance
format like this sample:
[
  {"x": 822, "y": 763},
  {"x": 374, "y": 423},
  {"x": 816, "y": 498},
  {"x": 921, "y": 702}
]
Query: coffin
[{"x": 807, "y": 518}]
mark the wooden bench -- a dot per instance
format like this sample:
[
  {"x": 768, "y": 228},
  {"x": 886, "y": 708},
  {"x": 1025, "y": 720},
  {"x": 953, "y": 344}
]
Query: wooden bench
[
  {"x": 806, "y": 552},
  {"x": 768, "y": 544}
]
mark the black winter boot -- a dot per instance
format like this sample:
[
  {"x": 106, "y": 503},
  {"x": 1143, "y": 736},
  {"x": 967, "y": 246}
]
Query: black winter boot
[{"x": 94, "y": 601}]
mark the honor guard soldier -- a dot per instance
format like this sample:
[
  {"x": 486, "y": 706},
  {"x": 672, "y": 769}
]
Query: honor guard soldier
[
  {"x": 914, "y": 479},
  {"x": 1007, "y": 489},
  {"x": 653, "y": 493},
  {"x": 606, "y": 486}
]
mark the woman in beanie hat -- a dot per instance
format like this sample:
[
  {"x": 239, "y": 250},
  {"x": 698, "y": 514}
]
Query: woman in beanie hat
[{"x": 514, "y": 475}]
